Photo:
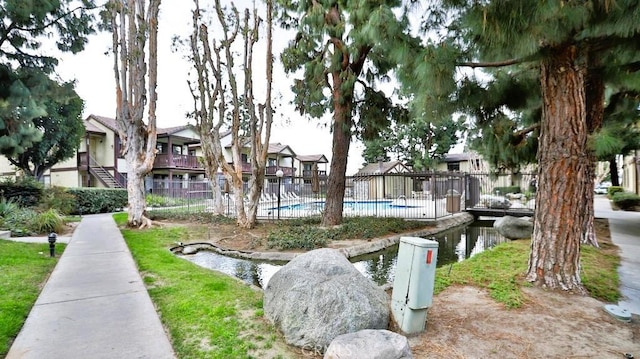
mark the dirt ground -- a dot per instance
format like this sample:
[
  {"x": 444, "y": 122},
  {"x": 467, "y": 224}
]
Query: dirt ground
[{"x": 464, "y": 322}]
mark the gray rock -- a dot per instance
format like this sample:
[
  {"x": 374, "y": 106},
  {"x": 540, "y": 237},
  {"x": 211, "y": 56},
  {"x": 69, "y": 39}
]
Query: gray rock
[
  {"x": 320, "y": 295},
  {"x": 513, "y": 227},
  {"x": 495, "y": 202},
  {"x": 186, "y": 250},
  {"x": 369, "y": 344}
]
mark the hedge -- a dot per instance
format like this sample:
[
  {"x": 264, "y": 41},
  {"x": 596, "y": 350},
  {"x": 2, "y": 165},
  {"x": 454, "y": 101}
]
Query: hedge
[
  {"x": 24, "y": 192},
  {"x": 626, "y": 200},
  {"x": 98, "y": 200},
  {"x": 507, "y": 189}
]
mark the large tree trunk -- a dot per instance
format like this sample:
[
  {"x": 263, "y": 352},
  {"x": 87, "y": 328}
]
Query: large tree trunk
[
  {"x": 131, "y": 28},
  {"x": 340, "y": 150},
  {"x": 594, "y": 97},
  {"x": 137, "y": 203},
  {"x": 563, "y": 156},
  {"x": 613, "y": 171}
]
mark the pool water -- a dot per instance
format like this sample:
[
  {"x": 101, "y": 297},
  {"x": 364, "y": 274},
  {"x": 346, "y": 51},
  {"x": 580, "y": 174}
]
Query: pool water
[{"x": 454, "y": 245}]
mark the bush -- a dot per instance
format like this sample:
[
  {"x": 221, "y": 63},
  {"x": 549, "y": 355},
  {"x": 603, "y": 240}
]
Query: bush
[
  {"x": 305, "y": 233},
  {"x": 24, "y": 191},
  {"x": 98, "y": 200},
  {"x": 626, "y": 200},
  {"x": 612, "y": 190},
  {"x": 47, "y": 222},
  {"x": 20, "y": 222},
  {"x": 153, "y": 200},
  {"x": 58, "y": 198},
  {"x": 7, "y": 206},
  {"x": 507, "y": 189}
]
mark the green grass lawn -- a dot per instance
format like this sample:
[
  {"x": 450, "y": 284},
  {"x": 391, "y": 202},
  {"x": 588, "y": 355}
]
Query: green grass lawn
[
  {"x": 501, "y": 271},
  {"x": 208, "y": 314},
  {"x": 24, "y": 268}
]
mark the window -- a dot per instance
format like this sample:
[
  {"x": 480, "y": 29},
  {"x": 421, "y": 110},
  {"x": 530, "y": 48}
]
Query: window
[
  {"x": 271, "y": 162},
  {"x": 177, "y": 150},
  {"x": 453, "y": 166},
  {"x": 245, "y": 158},
  {"x": 161, "y": 147}
]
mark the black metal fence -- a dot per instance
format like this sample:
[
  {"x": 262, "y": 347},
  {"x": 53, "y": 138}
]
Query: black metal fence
[{"x": 427, "y": 195}]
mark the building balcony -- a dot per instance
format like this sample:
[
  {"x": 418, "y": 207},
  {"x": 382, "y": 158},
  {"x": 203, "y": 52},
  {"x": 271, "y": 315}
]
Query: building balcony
[
  {"x": 309, "y": 174},
  {"x": 288, "y": 171},
  {"x": 164, "y": 160}
]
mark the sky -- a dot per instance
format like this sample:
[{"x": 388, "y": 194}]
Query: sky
[{"x": 95, "y": 84}]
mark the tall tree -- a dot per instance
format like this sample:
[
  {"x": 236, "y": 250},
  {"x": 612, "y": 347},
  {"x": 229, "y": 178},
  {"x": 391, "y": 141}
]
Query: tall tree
[
  {"x": 342, "y": 48},
  {"x": 25, "y": 26},
  {"x": 61, "y": 129},
  {"x": 250, "y": 123},
  {"x": 132, "y": 24},
  {"x": 573, "y": 46}
]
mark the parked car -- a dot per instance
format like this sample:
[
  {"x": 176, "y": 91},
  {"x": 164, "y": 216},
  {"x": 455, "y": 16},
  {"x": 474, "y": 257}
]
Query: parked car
[{"x": 601, "y": 189}]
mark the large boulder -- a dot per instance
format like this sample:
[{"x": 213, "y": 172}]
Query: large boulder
[
  {"x": 369, "y": 344},
  {"x": 495, "y": 202},
  {"x": 514, "y": 227},
  {"x": 320, "y": 295}
]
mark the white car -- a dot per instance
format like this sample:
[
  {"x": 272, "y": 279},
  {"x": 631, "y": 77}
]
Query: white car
[{"x": 600, "y": 189}]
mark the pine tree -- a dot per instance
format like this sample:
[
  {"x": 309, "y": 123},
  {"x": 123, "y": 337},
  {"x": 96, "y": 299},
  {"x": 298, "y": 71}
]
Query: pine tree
[
  {"x": 342, "y": 48},
  {"x": 574, "y": 48},
  {"x": 26, "y": 25}
]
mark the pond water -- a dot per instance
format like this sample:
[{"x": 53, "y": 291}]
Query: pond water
[{"x": 455, "y": 245}]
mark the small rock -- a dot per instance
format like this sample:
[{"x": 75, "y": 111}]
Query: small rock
[
  {"x": 369, "y": 344},
  {"x": 186, "y": 250}
]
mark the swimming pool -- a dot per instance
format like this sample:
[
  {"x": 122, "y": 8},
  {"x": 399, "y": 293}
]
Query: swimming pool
[{"x": 350, "y": 205}]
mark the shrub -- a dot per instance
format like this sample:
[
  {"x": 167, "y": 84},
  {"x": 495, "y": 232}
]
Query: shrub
[
  {"x": 153, "y": 200},
  {"x": 24, "y": 191},
  {"x": 7, "y": 206},
  {"x": 507, "y": 189},
  {"x": 98, "y": 200},
  {"x": 20, "y": 222},
  {"x": 46, "y": 222},
  {"x": 305, "y": 233},
  {"x": 58, "y": 198},
  {"x": 626, "y": 200},
  {"x": 612, "y": 190}
]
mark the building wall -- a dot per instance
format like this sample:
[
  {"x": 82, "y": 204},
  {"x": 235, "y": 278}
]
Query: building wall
[
  {"x": 630, "y": 179},
  {"x": 69, "y": 178},
  {"x": 6, "y": 168}
]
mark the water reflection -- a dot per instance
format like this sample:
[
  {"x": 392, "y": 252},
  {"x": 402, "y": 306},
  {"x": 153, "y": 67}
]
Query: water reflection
[{"x": 455, "y": 245}]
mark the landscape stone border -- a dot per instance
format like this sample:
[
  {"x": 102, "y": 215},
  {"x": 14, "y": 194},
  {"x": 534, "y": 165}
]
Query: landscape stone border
[{"x": 349, "y": 252}]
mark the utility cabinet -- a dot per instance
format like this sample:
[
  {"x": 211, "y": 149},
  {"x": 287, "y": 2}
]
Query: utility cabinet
[{"x": 413, "y": 283}]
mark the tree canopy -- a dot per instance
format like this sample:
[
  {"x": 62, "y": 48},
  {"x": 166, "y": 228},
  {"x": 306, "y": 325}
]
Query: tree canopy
[
  {"x": 342, "y": 52},
  {"x": 61, "y": 129},
  {"x": 568, "y": 51},
  {"x": 24, "y": 65}
]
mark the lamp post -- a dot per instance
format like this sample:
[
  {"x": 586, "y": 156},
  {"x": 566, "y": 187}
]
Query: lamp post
[
  {"x": 279, "y": 174},
  {"x": 52, "y": 244}
]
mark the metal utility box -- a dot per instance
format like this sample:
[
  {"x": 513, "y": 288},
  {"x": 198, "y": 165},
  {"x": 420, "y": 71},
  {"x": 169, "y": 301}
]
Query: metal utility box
[{"x": 413, "y": 283}]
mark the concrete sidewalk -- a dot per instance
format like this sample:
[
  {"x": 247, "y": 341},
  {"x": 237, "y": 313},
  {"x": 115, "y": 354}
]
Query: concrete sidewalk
[
  {"x": 94, "y": 304},
  {"x": 625, "y": 233}
]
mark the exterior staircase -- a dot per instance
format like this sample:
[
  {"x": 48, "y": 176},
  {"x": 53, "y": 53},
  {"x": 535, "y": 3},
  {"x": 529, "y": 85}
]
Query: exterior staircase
[{"x": 103, "y": 175}]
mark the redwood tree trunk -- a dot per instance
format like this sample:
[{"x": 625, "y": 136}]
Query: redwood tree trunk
[
  {"x": 554, "y": 261},
  {"x": 340, "y": 150}
]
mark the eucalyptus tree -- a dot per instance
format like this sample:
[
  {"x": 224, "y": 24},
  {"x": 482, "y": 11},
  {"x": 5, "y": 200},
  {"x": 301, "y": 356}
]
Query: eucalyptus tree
[
  {"x": 221, "y": 103},
  {"x": 132, "y": 23},
  {"x": 573, "y": 47},
  {"x": 26, "y": 26},
  {"x": 341, "y": 51}
]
